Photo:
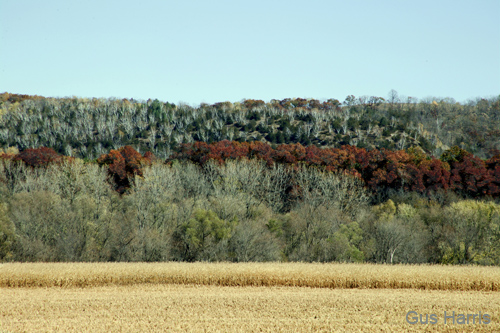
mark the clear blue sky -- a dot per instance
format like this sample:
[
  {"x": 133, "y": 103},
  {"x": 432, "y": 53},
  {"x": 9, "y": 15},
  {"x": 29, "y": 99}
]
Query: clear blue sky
[{"x": 212, "y": 51}]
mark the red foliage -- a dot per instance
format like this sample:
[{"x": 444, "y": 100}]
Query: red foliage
[
  {"x": 150, "y": 157},
  {"x": 262, "y": 151},
  {"x": 434, "y": 174},
  {"x": 289, "y": 154},
  {"x": 379, "y": 169},
  {"x": 116, "y": 164},
  {"x": 38, "y": 157},
  {"x": 472, "y": 176},
  {"x": 493, "y": 165},
  {"x": 230, "y": 150},
  {"x": 123, "y": 164}
]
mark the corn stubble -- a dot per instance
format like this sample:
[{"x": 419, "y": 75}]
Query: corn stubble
[
  {"x": 195, "y": 308},
  {"x": 133, "y": 297}
]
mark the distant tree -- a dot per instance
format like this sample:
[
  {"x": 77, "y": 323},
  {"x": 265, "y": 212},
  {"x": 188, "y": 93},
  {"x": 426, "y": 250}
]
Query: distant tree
[
  {"x": 38, "y": 157},
  {"x": 472, "y": 233},
  {"x": 124, "y": 164},
  {"x": 393, "y": 96},
  {"x": 198, "y": 238},
  {"x": 454, "y": 154},
  {"x": 252, "y": 103},
  {"x": 253, "y": 242}
]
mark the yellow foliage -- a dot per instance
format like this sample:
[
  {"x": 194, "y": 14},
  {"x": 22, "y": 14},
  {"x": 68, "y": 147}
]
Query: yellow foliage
[
  {"x": 406, "y": 211},
  {"x": 12, "y": 151},
  {"x": 472, "y": 208},
  {"x": 385, "y": 211}
]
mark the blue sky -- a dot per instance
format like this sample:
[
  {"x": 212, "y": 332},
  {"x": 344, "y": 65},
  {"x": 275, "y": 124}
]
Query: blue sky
[{"x": 213, "y": 51}]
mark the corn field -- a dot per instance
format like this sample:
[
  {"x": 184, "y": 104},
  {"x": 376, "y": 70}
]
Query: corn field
[
  {"x": 242, "y": 297},
  {"x": 315, "y": 275}
]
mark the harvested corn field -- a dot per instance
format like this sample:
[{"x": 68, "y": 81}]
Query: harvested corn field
[
  {"x": 195, "y": 308},
  {"x": 252, "y": 274},
  {"x": 133, "y": 297}
]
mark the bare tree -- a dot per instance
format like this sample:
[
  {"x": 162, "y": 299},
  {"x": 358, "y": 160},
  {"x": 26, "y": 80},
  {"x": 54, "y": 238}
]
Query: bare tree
[{"x": 393, "y": 97}]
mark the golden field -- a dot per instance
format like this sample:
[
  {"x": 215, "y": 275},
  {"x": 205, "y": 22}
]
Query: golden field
[
  {"x": 292, "y": 297},
  {"x": 314, "y": 275}
]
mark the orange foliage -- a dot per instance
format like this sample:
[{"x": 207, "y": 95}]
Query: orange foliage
[{"x": 123, "y": 164}]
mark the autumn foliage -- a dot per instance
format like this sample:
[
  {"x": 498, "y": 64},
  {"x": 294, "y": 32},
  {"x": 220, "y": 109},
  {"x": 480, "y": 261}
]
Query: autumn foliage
[
  {"x": 124, "y": 164},
  {"x": 411, "y": 170},
  {"x": 38, "y": 157},
  {"x": 473, "y": 175}
]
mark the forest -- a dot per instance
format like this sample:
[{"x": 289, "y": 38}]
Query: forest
[
  {"x": 87, "y": 128},
  {"x": 367, "y": 180}
]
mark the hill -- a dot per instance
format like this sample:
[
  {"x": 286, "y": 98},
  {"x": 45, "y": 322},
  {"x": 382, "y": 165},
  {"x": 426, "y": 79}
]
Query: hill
[{"x": 88, "y": 128}]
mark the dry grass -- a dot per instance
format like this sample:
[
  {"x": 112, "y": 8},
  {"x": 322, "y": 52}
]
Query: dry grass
[
  {"x": 368, "y": 276},
  {"x": 195, "y": 308}
]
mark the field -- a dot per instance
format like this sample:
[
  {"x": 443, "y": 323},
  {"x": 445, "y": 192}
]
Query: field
[{"x": 243, "y": 297}]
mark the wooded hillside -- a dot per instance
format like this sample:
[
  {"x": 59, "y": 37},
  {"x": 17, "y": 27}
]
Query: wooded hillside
[
  {"x": 88, "y": 128},
  {"x": 169, "y": 196}
]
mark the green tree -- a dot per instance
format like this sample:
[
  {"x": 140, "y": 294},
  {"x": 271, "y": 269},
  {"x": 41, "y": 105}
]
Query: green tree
[
  {"x": 472, "y": 233},
  {"x": 345, "y": 243},
  {"x": 198, "y": 238}
]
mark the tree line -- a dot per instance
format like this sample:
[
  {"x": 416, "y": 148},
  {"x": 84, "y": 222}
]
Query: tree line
[
  {"x": 244, "y": 201},
  {"x": 379, "y": 170}
]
